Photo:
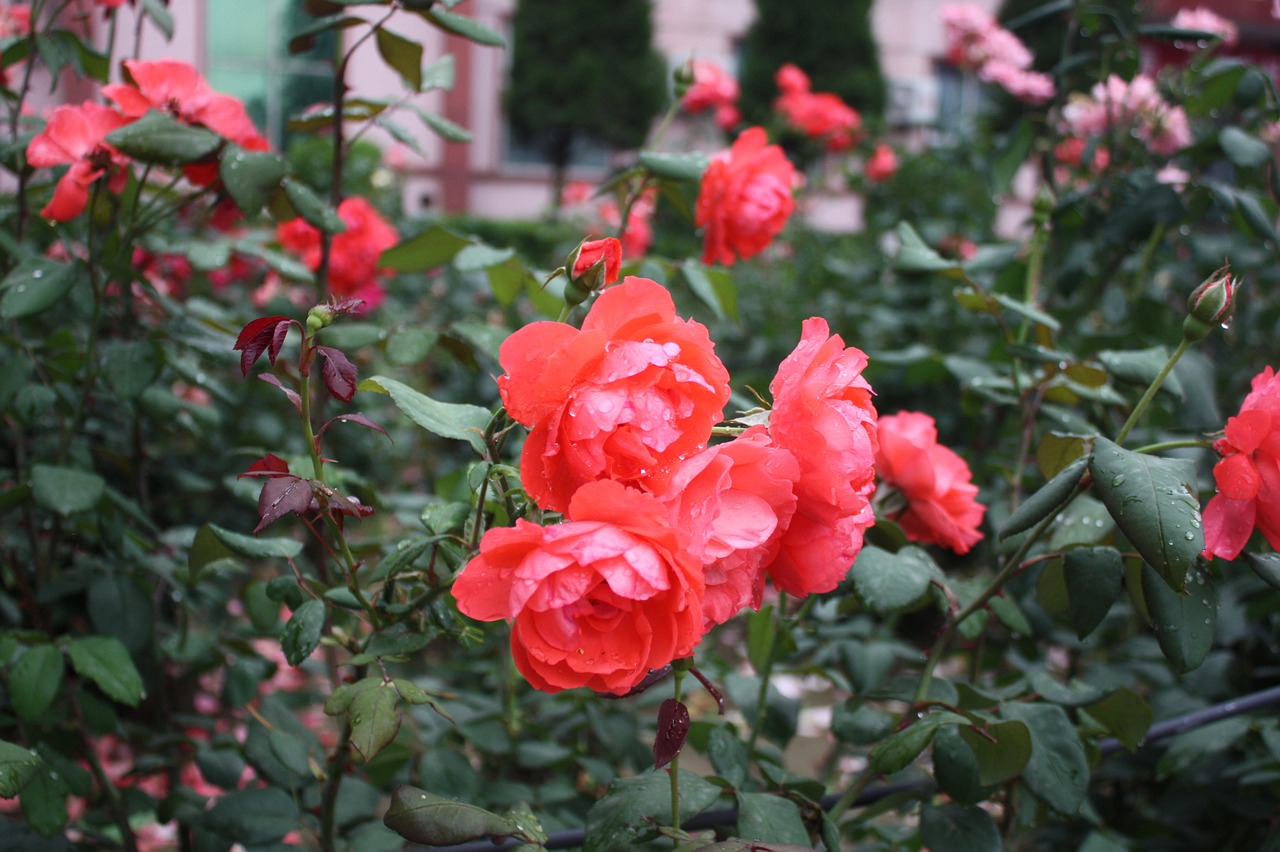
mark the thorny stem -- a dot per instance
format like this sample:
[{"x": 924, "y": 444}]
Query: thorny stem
[
  {"x": 118, "y": 814},
  {"x": 1141, "y": 407}
]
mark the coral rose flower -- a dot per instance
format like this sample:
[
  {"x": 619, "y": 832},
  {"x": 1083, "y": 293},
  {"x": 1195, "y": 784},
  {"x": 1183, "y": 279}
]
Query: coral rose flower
[
  {"x": 745, "y": 199},
  {"x": 353, "y": 254},
  {"x": 734, "y": 500},
  {"x": 1248, "y": 475},
  {"x": 75, "y": 136},
  {"x": 936, "y": 483},
  {"x": 712, "y": 88},
  {"x": 822, "y": 414},
  {"x": 881, "y": 165},
  {"x": 625, "y": 398},
  {"x": 608, "y": 249},
  {"x": 597, "y": 601}
]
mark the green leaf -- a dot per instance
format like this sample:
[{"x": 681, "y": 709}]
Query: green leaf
[
  {"x": 447, "y": 419},
  {"x": 251, "y": 177},
  {"x": 1010, "y": 157},
  {"x": 35, "y": 680},
  {"x": 35, "y": 286},
  {"x": 958, "y": 828},
  {"x": 1242, "y": 148},
  {"x": 422, "y": 817},
  {"x": 728, "y": 755},
  {"x": 915, "y": 255},
  {"x": 631, "y": 808},
  {"x": 1094, "y": 578},
  {"x": 434, "y": 247},
  {"x": 771, "y": 819},
  {"x": 1026, "y": 311},
  {"x": 304, "y": 39},
  {"x": 1183, "y": 623},
  {"x": 105, "y": 661},
  {"x": 17, "y": 766},
  {"x": 443, "y": 127},
  {"x": 159, "y": 16},
  {"x": 955, "y": 767},
  {"x": 465, "y": 27},
  {"x": 1125, "y": 714},
  {"x": 902, "y": 747},
  {"x": 65, "y": 490},
  {"x": 439, "y": 74},
  {"x": 886, "y": 582},
  {"x": 206, "y": 549},
  {"x": 160, "y": 138},
  {"x": 1191, "y": 747},
  {"x": 1002, "y": 753},
  {"x": 119, "y": 607},
  {"x": 254, "y": 817},
  {"x": 1266, "y": 566},
  {"x": 44, "y": 802},
  {"x": 713, "y": 286},
  {"x": 1142, "y": 367},
  {"x": 311, "y": 208},
  {"x": 130, "y": 366},
  {"x": 374, "y": 719},
  {"x": 302, "y": 633},
  {"x": 688, "y": 166},
  {"x": 1153, "y": 501},
  {"x": 402, "y": 55},
  {"x": 1057, "y": 771},
  {"x": 256, "y": 548},
  {"x": 478, "y": 256}
]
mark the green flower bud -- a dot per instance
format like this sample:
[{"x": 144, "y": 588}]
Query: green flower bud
[
  {"x": 1210, "y": 304},
  {"x": 319, "y": 317},
  {"x": 683, "y": 77}
]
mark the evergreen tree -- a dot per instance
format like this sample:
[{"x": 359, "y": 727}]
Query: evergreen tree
[
  {"x": 830, "y": 40},
  {"x": 583, "y": 70}
]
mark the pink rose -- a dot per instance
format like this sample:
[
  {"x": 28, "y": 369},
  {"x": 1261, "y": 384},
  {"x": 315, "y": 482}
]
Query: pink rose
[
  {"x": 626, "y": 398},
  {"x": 597, "y": 601},
  {"x": 1248, "y": 476},
  {"x": 822, "y": 414},
  {"x": 745, "y": 199},
  {"x": 712, "y": 88},
  {"x": 881, "y": 165},
  {"x": 734, "y": 500},
  {"x": 936, "y": 483}
]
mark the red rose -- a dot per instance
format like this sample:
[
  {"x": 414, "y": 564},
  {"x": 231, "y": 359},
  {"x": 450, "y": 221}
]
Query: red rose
[
  {"x": 1248, "y": 476},
  {"x": 881, "y": 165},
  {"x": 75, "y": 136},
  {"x": 609, "y": 249},
  {"x": 625, "y": 398},
  {"x": 353, "y": 254},
  {"x": 745, "y": 199},
  {"x": 597, "y": 601},
  {"x": 936, "y": 483},
  {"x": 734, "y": 500},
  {"x": 822, "y": 414}
]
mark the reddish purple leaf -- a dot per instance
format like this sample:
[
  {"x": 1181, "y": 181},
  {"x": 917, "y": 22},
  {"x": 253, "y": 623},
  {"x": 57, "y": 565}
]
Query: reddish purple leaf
[
  {"x": 339, "y": 373},
  {"x": 347, "y": 306},
  {"x": 280, "y": 496},
  {"x": 341, "y": 505},
  {"x": 265, "y": 334},
  {"x": 292, "y": 394},
  {"x": 269, "y": 465},
  {"x": 349, "y": 418},
  {"x": 673, "y": 727}
]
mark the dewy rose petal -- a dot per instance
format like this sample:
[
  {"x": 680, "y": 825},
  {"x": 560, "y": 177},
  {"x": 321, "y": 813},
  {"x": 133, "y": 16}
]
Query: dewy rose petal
[
  {"x": 745, "y": 199},
  {"x": 625, "y": 398},
  {"x": 597, "y": 601},
  {"x": 1248, "y": 476},
  {"x": 936, "y": 483},
  {"x": 822, "y": 414}
]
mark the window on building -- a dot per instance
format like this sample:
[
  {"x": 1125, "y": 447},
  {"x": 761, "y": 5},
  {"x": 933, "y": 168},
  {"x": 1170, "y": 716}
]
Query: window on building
[
  {"x": 248, "y": 57},
  {"x": 961, "y": 98}
]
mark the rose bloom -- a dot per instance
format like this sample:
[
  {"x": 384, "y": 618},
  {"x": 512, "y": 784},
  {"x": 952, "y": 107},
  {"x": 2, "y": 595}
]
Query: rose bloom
[
  {"x": 712, "y": 88},
  {"x": 822, "y": 414},
  {"x": 75, "y": 136},
  {"x": 1248, "y": 476},
  {"x": 745, "y": 199},
  {"x": 597, "y": 601},
  {"x": 609, "y": 249},
  {"x": 1207, "y": 21},
  {"x": 936, "y": 483},
  {"x": 881, "y": 165},
  {"x": 734, "y": 500},
  {"x": 625, "y": 398},
  {"x": 353, "y": 254}
]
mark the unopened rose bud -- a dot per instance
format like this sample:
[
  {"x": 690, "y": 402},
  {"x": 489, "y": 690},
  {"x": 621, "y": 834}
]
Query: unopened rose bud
[
  {"x": 593, "y": 265},
  {"x": 1210, "y": 304},
  {"x": 683, "y": 77},
  {"x": 319, "y": 317}
]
